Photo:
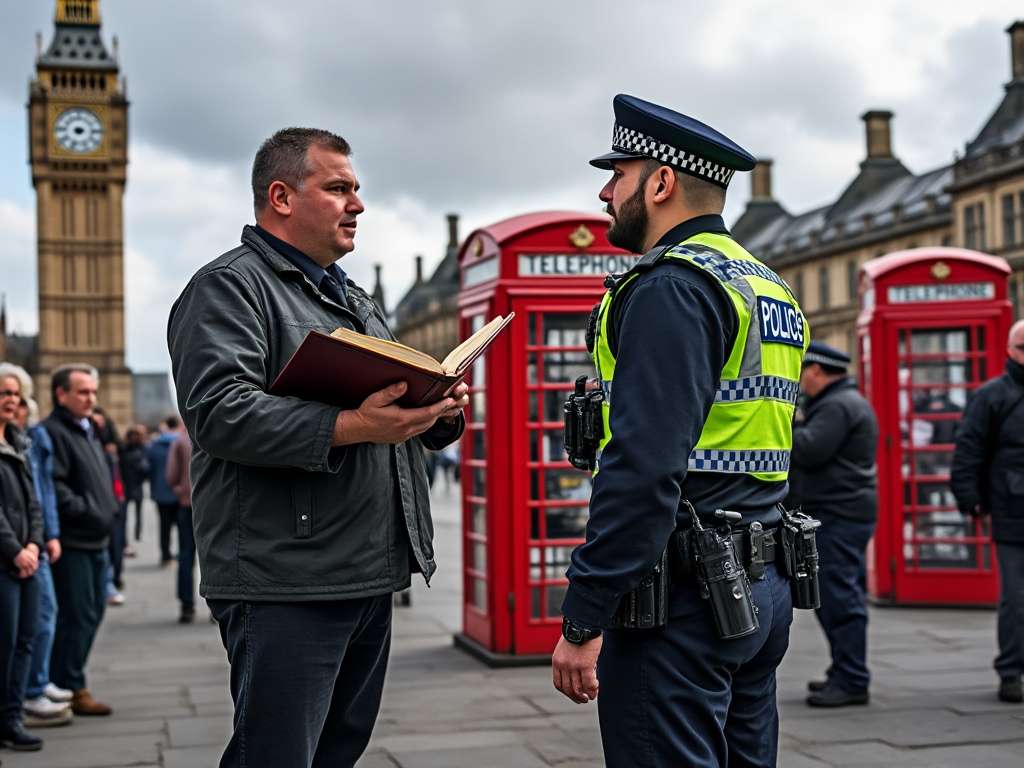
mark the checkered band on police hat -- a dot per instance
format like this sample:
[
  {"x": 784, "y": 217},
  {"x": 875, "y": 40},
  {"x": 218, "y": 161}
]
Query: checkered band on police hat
[{"x": 635, "y": 142}]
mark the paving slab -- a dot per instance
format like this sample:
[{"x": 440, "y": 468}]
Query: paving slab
[{"x": 933, "y": 692}]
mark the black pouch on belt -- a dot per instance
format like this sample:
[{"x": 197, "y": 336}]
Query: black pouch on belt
[{"x": 646, "y": 607}]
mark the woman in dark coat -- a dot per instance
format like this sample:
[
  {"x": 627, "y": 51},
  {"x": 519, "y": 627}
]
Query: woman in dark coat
[{"x": 21, "y": 539}]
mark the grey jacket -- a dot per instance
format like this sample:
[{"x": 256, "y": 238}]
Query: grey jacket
[
  {"x": 833, "y": 464},
  {"x": 279, "y": 514}
]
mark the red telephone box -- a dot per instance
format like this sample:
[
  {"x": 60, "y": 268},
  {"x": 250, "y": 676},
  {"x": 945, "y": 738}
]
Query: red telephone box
[
  {"x": 524, "y": 508},
  {"x": 932, "y": 329}
]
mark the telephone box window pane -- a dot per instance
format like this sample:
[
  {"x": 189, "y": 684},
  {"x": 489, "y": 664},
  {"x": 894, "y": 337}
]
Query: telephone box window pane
[
  {"x": 477, "y": 444},
  {"x": 933, "y": 463},
  {"x": 566, "y": 522},
  {"x": 533, "y": 413},
  {"x": 566, "y": 485},
  {"x": 945, "y": 340},
  {"x": 478, "y": 556},
  {"x": 557, "y": 562},
  {"x": 566, "y": 367},
  {"x": 535, "y": 517},
  {"x": 935, "y": 495},
  {"x": 555, "y": 596},
  {"x": 532, "y": 332},
  {"x": 478, "y": 518},
  {"x": 478, "y": 484},
  {"x": 535, "y": 611},
  {"x": 554, "y": 404},
  {"x": 534, "y": 452},
  {"x": 531, "y": 368},
  {"x": 940, "y": 554},
  {"x": 478, "y": 404},
  {"x": 479, "y": 594},
  {"x": 536, "y": 564},
  {"x": 565, "y": 329},
  {"x": 553, "y": 445},
  {"x": 940, "y": 372}
]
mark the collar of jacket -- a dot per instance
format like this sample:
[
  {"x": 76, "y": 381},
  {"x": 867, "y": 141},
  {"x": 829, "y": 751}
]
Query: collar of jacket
[
  {"x": 711, "y": 222},
  {"x": 70, "y": 419},
  {"x": 844, "y": 383},
  {"x": 10, "y": 449},
  {"x": 1015, "y": 371},
  {"x": 282, "y": 266}
]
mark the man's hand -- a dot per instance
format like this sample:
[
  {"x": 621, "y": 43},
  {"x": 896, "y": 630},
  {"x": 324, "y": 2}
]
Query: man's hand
[
  {"x": 574, "y": 669},
  {"x": 27, "y": 561},
  {"x": 461, "y": 397},
  {"x": 379, "y": 420},
  {"x": 53, "y": 550}
]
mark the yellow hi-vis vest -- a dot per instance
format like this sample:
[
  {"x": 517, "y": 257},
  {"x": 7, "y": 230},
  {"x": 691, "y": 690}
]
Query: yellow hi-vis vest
[{"x": 749, "y": 429}]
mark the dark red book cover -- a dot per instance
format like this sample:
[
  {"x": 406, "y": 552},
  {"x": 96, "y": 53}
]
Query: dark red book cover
[{"x": 329, "y": 370}]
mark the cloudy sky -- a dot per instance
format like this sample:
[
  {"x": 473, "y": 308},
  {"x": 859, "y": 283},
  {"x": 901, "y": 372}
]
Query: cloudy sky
[{"x": 482, "y": 108}]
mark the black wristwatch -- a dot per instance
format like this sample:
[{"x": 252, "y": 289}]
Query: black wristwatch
[{"x": 576, "y": 633}]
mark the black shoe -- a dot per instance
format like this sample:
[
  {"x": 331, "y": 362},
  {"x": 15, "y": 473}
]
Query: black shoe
[
  {"x": 17, "y": 738},
  {"x": 834, "y": 696},
  {"x": 1011, "y": 691},
  {"x": 188, "y": 614},
  {"x": 814, "y": 686}
]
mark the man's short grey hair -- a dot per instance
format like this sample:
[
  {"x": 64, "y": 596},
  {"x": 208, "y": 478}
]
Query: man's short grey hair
[
  {"x": 10, "y": 370},
  {"x": 282, "y": 157},
  {"x": 61, "y": 376}
]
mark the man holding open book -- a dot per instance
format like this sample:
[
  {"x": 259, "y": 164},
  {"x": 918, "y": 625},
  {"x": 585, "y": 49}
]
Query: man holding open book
[{"x": 309, "y": 513}]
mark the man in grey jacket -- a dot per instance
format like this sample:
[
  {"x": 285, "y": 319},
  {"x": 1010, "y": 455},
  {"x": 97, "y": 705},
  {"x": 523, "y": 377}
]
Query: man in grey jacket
[
  {"x": 307, "y": 516},
  {"x": 833, "y": 477}
]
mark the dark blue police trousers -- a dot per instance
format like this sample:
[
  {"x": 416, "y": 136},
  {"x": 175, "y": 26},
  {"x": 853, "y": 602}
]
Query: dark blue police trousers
[
  {"x": 306, "y": 679},
  {"x": 842, "y": 545},
  {"x": 680, "y": 696}
]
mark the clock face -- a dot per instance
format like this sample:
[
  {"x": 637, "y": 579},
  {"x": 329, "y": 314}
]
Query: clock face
[{"x": 78, "y": 130}]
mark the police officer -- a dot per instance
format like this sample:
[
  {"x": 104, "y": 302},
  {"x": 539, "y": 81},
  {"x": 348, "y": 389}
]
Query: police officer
[
  {"x": 833, "y": 478},
  {"x": 703, "y": 344}
]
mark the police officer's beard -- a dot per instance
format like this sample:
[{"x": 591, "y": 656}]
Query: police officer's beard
[{"x": 629, "y": 228}]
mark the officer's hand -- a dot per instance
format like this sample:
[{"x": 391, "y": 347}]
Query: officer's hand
[
  {"x": 380, "y": 420},
  {"x": 53, "y": 550},
  {"x": 574, "y": 669}
]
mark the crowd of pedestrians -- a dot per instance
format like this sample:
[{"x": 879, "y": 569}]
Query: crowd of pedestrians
[{"x": 67, "y": 485}]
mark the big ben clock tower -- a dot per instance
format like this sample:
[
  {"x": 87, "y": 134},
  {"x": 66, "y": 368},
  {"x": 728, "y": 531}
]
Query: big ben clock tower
[{"x": 78, "y": 127}]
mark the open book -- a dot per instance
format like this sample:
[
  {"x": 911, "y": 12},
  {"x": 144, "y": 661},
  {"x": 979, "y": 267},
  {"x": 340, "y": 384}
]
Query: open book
[{"x": 343, "y": 368}]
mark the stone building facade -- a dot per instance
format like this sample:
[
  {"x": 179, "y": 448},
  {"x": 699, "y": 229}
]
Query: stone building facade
[{"x": 976, "y": 202}]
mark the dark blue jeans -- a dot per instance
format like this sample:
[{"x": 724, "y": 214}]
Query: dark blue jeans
[
  {"x": 186, "y": 558},
  {"x": 306, "y": 679},
  {"x": 39, "y": 674},
  {"x": 842, "y": 546},
  {"x": 19, "y": 609},
  {"x": 1010, "y": 661},
  {"x": 80, "y": 580},
  {"x": 680, "y": 696}
]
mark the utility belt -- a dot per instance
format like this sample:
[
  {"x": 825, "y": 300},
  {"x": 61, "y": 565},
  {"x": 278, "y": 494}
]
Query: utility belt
[{"x": 724, "y": 561}]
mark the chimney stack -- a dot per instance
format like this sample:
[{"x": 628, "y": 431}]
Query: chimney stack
[
  {"x": 761, "y": 181},
  {"x": 879, "y": 133},
  {"x": 1016, "y": 31},
  {"x": 453, "y": 230},
  {"x": 419, "y": 270}
]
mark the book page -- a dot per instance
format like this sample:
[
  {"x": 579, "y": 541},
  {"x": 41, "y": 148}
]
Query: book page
[
  {"x": 457, "y": 359},
  {"x": 390, "y": 349}
]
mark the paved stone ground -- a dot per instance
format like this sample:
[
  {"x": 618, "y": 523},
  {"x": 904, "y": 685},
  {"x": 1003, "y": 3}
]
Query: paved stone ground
[{"x": 933, "y": 699}]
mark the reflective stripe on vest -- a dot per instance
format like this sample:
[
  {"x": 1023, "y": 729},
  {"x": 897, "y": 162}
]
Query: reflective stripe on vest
[{"x": 749, "y": 427}]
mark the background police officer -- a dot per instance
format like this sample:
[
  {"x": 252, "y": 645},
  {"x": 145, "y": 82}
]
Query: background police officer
[
  {"x": 833, "y": 478},
  {"x": 704, "y": 385}
]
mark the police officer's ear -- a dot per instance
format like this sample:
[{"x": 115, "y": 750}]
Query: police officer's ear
[{"x": 666, "y": 184}]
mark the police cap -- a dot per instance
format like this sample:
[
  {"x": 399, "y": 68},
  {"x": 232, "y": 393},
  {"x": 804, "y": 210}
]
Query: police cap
[
  {"x": 827, "y": 357},
  {"x": 643, "y": 129}
]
